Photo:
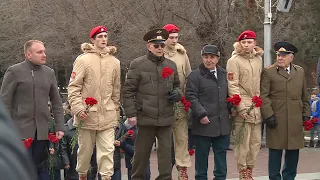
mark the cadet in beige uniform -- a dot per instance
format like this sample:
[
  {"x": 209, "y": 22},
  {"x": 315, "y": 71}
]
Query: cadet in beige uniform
[
  {"x": 244, "y": 70},
  {"x": 96, "y": 73},
  {"x": 177, "y": 53}
]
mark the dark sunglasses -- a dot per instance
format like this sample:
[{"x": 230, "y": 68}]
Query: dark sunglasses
[{"x": 159, "y": 45}]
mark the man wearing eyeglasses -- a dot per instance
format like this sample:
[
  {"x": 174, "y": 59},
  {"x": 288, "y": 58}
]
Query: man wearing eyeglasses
[
  {"x": 177, "y": 53},
  {"x": 148, "y": 99}
]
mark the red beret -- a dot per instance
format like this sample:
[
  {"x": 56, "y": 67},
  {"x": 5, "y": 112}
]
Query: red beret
[
  {"x": 171, "y": 28},
  {"x": 97, "y": 30},
  {"x": 247, "y": 35}
]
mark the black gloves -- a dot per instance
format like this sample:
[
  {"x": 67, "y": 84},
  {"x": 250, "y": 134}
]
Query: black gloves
[
  {"x": 271, "y": 122},
  {"x": 174, "y": 96},
  {"x": 229, "y": 106},
  {"x": 305, "y": 118}
]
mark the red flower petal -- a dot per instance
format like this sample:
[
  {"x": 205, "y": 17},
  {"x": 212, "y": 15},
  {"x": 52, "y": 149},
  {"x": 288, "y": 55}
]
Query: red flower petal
[
  {"x": 90, "y": 101},
  {"x": 166, "y": 72},
  {"x": 191, "y": 152}
]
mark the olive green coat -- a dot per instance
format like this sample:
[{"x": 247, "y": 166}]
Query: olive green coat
[
  {"x": 145, "y": 92},
  {"x": 285, "y": 96}
]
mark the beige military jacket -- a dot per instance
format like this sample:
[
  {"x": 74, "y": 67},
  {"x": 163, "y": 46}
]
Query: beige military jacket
[
  {"x": 244, "y": 71},
  {"x": 179, "y": 55},
  {"x": 96, "y": 74}
]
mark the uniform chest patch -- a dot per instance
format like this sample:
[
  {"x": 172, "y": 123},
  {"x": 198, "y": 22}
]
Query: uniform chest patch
[{"x": 230, "y": 76}]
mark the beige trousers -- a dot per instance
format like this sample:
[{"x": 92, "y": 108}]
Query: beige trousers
[
  {"x": 247, "y": 151},
  {"x": 104, "y": 141},
  {"x": 180, "y": 138}
]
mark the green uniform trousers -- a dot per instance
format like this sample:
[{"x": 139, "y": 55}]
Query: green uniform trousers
[
  {"x": 142, "y": 149},
  {"x": 289, "y": 170}
]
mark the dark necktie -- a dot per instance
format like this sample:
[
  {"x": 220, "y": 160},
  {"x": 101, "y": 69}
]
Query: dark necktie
[{"x": 214, "y": 73}]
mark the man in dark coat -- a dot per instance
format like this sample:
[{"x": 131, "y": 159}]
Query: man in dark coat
[
  {"x": 285, "y": 108},
  {"x": 207, "y": 90},
  {"x": 149, "y": 93},
  {"x": 26, "y": 89},
  {"x": 14, "y": 161}
]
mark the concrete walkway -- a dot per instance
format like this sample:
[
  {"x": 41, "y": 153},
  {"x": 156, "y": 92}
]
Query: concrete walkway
[{"x": 305, "y": 176}]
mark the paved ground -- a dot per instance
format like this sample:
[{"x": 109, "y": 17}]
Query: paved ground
[{"x": 309, "y": 166}]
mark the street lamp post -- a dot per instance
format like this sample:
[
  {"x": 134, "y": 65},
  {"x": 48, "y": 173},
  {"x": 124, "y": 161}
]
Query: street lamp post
[{"x": 267, "y": 33}]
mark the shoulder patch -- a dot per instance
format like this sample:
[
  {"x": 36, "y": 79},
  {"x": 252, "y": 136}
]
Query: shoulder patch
[
  {"x": 73, "y": 75},
  {"x": 230, "y": 76},
  {"x": 271, "y": 66}
]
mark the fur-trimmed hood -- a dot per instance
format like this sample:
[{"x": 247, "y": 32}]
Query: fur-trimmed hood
[
  {"x": 180, "y": 49},
  {"x": 177, "y": 48},
  {"x": 257, "y": 51},
  {"x": 90, "y": 48}
]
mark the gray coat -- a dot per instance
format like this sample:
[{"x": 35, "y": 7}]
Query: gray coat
[
  {"x": 208, "y": 98},
  {"x": 26, "y": 89},
  {"x": 15, "y": 162}
]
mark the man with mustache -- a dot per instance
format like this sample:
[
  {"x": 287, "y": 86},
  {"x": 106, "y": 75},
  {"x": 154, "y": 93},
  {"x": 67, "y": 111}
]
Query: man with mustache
[{"x": 244, "y": 70}]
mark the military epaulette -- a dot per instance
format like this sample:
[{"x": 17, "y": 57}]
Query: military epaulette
[
  {"x": 296, "y": 66},
  {"x": 272, "y": 65}
]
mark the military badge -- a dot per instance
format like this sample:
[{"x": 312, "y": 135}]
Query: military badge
[{"x": 230, "y": 76}]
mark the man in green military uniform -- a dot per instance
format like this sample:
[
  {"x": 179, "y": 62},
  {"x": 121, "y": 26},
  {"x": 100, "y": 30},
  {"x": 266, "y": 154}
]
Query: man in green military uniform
[
  {"x": 285, "y": 108},
  {"x": 148, "y": 99}
]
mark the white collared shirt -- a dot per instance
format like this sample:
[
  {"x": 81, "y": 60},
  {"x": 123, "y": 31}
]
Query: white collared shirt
[
  {"x": 288, "y": 70},
  {"x": 215, "y": 72}
]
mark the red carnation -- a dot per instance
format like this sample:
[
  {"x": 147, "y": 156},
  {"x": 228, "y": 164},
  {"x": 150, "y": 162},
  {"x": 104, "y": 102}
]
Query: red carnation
[
  {"x": 27, "y": 142},
  {"x": 308, "y": 125},
  {"x": 90, "y": 101},
  {"x": 186, "y": 108},
  {"x": 166, "y": 72},
  {"x": 52, "y": 138},
  {"x": 183, "y": 100},
  {"x": 130, "y": 133},
  {"x": 185, "y": 103},
  {"x": 191, "y": 152},
  {"x": 315, "y": 120},
  {"x": 235, "y": 99},
  {"x": 257, "y": 101}
]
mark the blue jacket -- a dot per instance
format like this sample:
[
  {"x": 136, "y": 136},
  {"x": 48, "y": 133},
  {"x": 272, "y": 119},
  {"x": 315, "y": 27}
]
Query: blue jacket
[
  {"x": 127, "y": 146},
  {"x": 316, "y": 112}
]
